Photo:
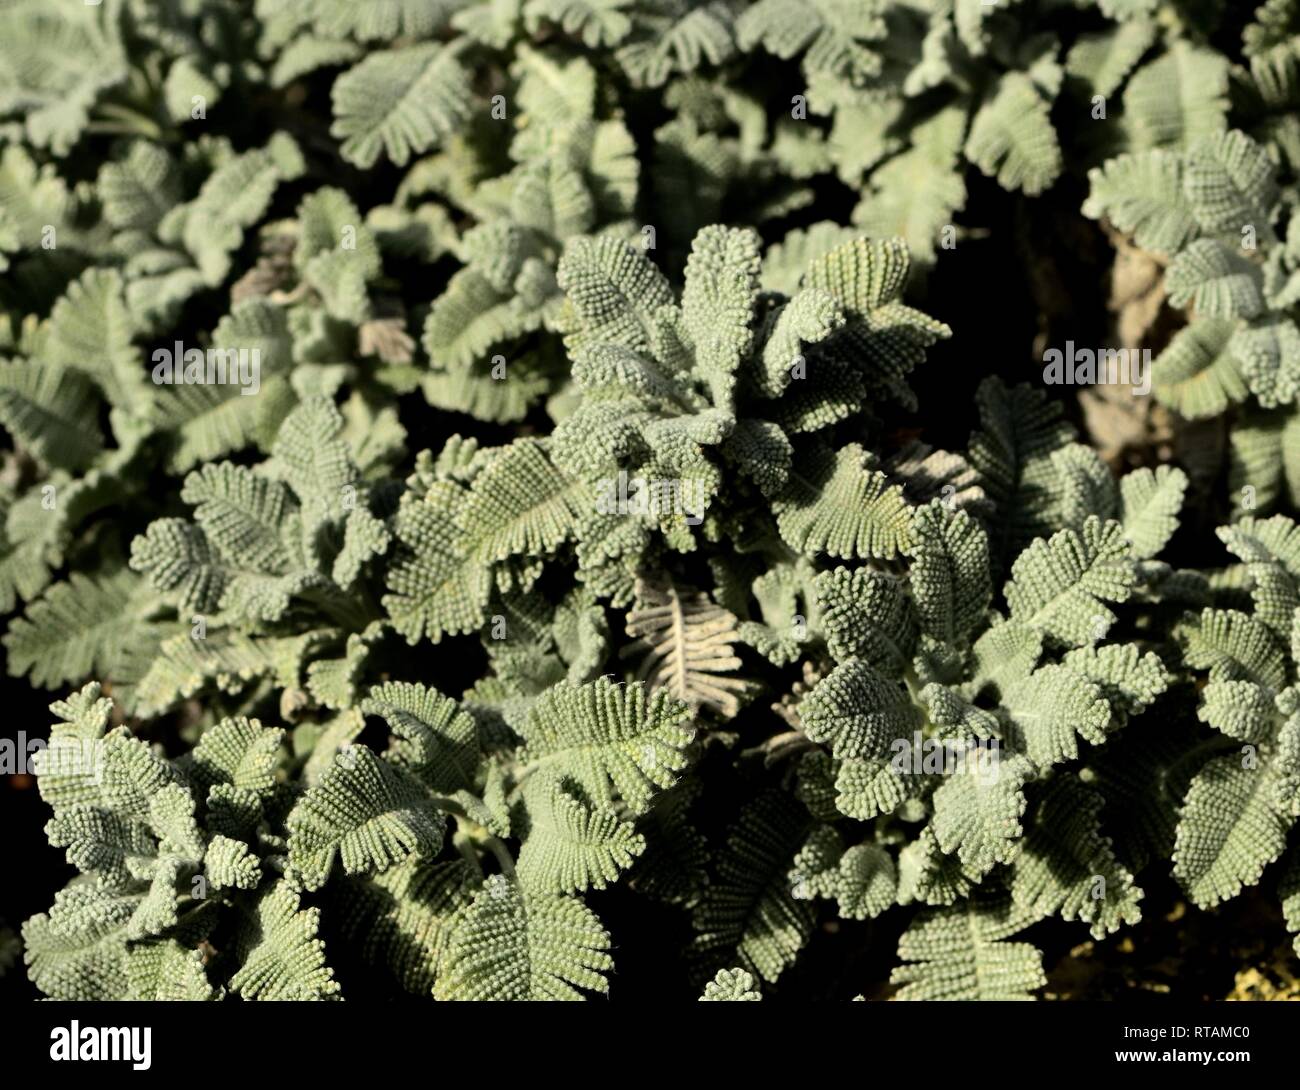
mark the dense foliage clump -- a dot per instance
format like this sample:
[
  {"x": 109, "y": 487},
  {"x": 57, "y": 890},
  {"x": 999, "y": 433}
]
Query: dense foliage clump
[{"x": 492, "y": 490}]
